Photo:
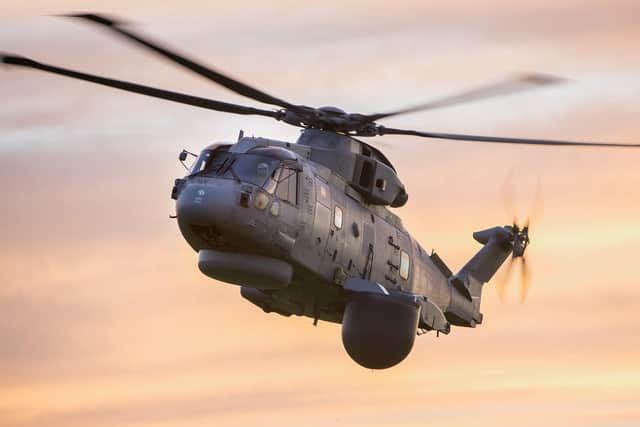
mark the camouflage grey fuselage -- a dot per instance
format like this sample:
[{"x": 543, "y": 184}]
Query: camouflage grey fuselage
[{"x": 301, "y": 238}]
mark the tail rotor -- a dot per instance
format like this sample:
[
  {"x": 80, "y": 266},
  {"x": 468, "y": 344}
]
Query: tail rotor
[{"x": 520, "y": 241}]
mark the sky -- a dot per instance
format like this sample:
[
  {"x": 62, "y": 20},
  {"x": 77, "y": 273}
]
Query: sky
[{"x": 105, "y": 319}]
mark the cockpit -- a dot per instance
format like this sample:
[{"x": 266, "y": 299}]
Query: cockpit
[{"x": 272, "y": 168}]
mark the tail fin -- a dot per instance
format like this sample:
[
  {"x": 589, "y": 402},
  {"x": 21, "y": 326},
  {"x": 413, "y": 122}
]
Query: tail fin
[
  {"x": 498, "y": 244},
  {"x": 464, "y": 309}
]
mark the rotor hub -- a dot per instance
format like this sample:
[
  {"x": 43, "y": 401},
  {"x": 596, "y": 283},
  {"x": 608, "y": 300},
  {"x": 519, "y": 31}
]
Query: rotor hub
[{"x": 520, "y": 240}]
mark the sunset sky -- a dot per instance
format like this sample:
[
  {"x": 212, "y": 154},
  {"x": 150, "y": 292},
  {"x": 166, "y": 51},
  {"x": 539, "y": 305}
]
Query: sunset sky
[{"x": 105, "y": 319}]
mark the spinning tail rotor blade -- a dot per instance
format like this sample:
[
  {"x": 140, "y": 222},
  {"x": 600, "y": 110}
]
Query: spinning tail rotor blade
[
  {"x": 505, "y": 87},
  {"x": 499, "y": 140},
  {"x": 520, "y": 237},
  {"x": 503, "y": 282},
  {"x": 206, "y": 72},
  {"x": 537, "y": 206},
  {"x": 508, "y": 196},
  {"x": 180, "y": 98},
  {"x": 525, "y": 280}
]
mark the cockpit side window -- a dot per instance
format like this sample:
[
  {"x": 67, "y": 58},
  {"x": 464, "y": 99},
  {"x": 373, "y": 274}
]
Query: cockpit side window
[
  {"x": 201, "y": 162},
  {"x": 287, "y": 188},
  {"x": 209, "y": 160}
]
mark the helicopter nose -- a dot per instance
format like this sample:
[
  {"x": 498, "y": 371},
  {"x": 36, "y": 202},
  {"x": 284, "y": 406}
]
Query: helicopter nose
[
  {"x": 215, "y": 213},
  {"x": 207, "y": 202}
]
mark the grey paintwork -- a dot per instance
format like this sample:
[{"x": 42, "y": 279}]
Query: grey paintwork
[{"x": 258, "y": 233}]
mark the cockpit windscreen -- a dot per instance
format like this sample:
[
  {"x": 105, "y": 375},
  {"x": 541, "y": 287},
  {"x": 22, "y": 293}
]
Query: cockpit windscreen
[{"x": 247, "y": 167}]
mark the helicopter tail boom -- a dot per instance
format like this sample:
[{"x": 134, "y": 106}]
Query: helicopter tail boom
[
  {"x": 464, "y": 308},
  {"x": 498, "y": 244}
]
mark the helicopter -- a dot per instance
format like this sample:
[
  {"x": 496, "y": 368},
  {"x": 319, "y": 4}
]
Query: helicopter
[{"x": 305, "y": 228}]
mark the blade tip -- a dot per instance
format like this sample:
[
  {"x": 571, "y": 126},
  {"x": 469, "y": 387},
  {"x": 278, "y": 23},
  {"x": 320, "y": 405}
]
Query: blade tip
[
  {"x": 6, "y": 58},
  {"x": 96, "y": 18},
  {"x": 542, "y": 79}
]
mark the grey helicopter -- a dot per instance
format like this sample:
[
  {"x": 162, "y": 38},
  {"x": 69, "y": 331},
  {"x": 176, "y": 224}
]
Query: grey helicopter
[{"x": 305, "y": 228}]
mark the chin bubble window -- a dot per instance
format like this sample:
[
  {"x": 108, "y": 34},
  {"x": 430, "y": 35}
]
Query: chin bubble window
[
  {"x": 404, "y": 265},
  {"x": 337, "y": 217}
]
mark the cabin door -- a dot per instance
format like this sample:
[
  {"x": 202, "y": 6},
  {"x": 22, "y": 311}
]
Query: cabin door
[{"x": 322, "y": 219}]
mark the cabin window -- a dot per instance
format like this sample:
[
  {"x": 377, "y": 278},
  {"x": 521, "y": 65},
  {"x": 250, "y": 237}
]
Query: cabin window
[
  {"x": 287, "y": 188},
  {"x": 337, "y": 217},
  {"x": 404, "y": 265}
]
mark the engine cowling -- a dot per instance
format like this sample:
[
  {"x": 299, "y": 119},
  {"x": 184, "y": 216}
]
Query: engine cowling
[{"x": 378, "y": 331}]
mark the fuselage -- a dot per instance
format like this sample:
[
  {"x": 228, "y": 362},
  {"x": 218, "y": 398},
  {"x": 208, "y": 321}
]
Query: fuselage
[{"x": 259, "y": 198}]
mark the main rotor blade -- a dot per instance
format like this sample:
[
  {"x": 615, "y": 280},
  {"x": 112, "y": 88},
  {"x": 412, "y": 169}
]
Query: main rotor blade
[
  {"x": 180, "y": 98},
  {"x": 499, "y": 140},
  {"x": 208, "y": 73},
  {"x": 506, "y": 87}
]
